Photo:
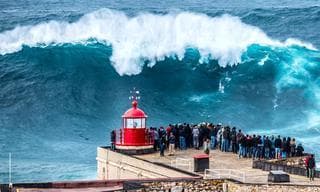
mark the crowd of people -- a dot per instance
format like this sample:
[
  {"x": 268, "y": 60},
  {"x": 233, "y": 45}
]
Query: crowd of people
[
  {"x": 209, "y": 136},
  {"x": 224, "y": 138}
]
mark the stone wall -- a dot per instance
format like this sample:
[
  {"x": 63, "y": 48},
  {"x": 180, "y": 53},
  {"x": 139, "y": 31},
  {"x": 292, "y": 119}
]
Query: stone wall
[
  {"x": 179, "y": 186},
  {"x": 114, "y": 165},
  {"x": 236, "y": 187},
  {"x": 273, "y": 165},
  {"x": 202, "y": 185}
]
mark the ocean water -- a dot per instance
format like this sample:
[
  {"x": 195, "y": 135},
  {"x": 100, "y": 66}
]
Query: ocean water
[{"x": 66, "y": 69}]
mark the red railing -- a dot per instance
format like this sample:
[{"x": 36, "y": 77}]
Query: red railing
[{"x": 122, "y": 137}]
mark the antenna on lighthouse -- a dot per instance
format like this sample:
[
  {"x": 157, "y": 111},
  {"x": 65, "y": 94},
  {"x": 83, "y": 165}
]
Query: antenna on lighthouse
[{"x": 135, "y": 94}]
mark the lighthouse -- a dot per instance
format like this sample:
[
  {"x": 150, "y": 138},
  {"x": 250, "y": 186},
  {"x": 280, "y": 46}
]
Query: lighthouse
[{"x": 134, "y": 137}]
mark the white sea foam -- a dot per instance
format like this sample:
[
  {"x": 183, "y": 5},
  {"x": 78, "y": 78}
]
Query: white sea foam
[{"x": 147, "y": 37}]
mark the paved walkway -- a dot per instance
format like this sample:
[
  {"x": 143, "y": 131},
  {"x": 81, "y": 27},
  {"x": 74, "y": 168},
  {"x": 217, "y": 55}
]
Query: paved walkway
[{"x": 222, "y": 160}]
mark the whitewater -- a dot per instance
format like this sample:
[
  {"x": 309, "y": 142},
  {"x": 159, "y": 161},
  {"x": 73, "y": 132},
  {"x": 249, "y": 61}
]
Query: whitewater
[
  {"x": 66, "y": 73},
  {"x": 148, "y": 37}
]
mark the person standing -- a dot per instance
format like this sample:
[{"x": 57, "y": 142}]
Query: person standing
[
  {"x": 267, "y": 146},
  {"x": 288, "y": 149},
  {"x": 293, "y": 147},
  {"x": 182, "y": 139},
  {"x": 238, "y": 138},
  {"x": 233, "y": 136},
  {"x": 219, "y": 137},
  {"x": 113, "y": 140},
  {"x": 284, "y": 148},
  {"x": 311, "y": 167},
  {"x": 195, "y": 135},
  {"x": 172, "y": 141},
  {"x": 249, "y": 144},
  {"x": 306, "y": 164},
  {"x": 242, "y": 146},
  {"x": 206, "y": 144},
  {"x": 156, "y": 139},
  {"x": 224, "y": 139},
  {"x": 213, "y": 136},
  {"x": 259, "y": 147},
  {"x": 277, "y": 145},
  {"x": 272, "y": 148},
  {"x": 162, "y": 145},
  {"x": 300, "y": 150},
  {"x": 188, "y": 132},
  {"x": 255, "y": 146}
]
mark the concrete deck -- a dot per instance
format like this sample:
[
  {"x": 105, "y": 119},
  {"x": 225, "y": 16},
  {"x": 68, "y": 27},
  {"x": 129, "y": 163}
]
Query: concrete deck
[{"x": 226, "y": 161}]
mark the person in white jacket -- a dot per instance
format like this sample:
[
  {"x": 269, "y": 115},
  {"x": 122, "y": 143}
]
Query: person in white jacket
[{"x": 195, "y": 136}]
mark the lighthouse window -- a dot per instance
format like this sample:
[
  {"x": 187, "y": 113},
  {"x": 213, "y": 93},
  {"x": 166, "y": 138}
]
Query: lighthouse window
[
  {"x": 143, "y": 123},
  {"x": 135, "y": 123}
]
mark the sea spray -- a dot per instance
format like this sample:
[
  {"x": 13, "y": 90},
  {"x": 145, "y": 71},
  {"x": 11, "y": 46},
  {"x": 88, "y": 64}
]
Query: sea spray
[
  {"x": 64, "y": 85},
  {"x": 148, "y": 37}
]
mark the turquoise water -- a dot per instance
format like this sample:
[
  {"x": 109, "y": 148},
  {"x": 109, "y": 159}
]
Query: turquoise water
[{"x": 66, "y": 69}]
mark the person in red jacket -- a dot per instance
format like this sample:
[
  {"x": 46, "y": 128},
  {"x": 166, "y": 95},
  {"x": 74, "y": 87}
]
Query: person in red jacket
[{"x": 306, "y": 163}]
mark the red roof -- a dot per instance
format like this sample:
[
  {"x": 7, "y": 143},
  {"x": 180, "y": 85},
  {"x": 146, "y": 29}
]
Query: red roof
[
  {"x": 201, "y": 156},
  {"x": 134, "y": 112}
]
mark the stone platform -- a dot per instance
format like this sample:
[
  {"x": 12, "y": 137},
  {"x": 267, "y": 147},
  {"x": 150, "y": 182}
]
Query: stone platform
[
  {"x": 150, "y": 172},
  {"x": 224, "y": 162}
]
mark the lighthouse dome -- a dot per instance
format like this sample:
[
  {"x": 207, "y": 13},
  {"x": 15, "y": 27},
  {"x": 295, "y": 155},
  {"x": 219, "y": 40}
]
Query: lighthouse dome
[{"x": 134, "y": 112}]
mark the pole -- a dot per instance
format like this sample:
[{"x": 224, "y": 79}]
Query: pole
[{"x": 10, "y": 165}]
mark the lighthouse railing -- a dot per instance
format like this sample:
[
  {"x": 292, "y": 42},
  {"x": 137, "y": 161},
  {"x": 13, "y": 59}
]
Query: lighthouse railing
[
  {"x": 148, "y": 140},
  {"x": 119, "y": 137}
]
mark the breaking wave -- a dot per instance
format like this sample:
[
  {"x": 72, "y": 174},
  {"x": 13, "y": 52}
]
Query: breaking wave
[
  {"x": 64, "y": 85},
  {"x": 148, "y": 38}
]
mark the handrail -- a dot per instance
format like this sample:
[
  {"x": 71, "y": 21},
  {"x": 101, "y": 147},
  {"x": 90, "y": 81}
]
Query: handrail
[
  {"x": 182, "y": 162},
  {"x": 225, "y": 174}
]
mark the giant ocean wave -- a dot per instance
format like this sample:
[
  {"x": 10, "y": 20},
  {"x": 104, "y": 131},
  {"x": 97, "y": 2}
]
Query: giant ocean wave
[
  {"x": 65, "y": 85},
  {"x": 148, "y": 37}
]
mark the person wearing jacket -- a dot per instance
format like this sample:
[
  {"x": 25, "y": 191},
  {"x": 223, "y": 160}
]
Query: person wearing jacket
[
  {"x": 213, "y": 136},
  {"x": 195, "y": 136},
  {"x": 311, "y": 167},
  {"x": 293, "y": 147},
  {"x": 113, "y": 140},
  {"x": 300, "y": 150},
  {"x": 267, "y": 146},
  {"x": 162, "y": 145},
  {"x": 233, "y": 136},
  {"x": 277, "y": 145},
  {"x": 172, "y": 141}
]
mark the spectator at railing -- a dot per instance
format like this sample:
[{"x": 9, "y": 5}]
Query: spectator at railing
[
  {"x": 293, "y": 147},
  {"x": 172, "y": 141},
  {"x": 195, "y": 134},
  {"x": 311, "y": 165},
  {"x": 300, "y": 150},
  {"x": 233, "y": 137},
  {"x": 206, "y": 146},
  {"x": 267, "y": 147},
  {"x": 113, "y": 139},
  {"x": 184, "y": 136},
  {"x": 162, "y": 144},
  {"x": 156, "y": 139},
  {"x": 277, "y": 144},
  {"x": 284, "y": 148}
]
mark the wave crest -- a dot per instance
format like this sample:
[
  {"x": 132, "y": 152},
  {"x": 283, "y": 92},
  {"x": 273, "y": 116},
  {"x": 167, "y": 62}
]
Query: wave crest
[{"x": 148, "y": 37}]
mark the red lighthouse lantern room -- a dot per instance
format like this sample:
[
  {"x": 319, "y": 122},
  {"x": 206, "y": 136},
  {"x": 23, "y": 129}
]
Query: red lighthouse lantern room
[{"x": 134, "y": 137}]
